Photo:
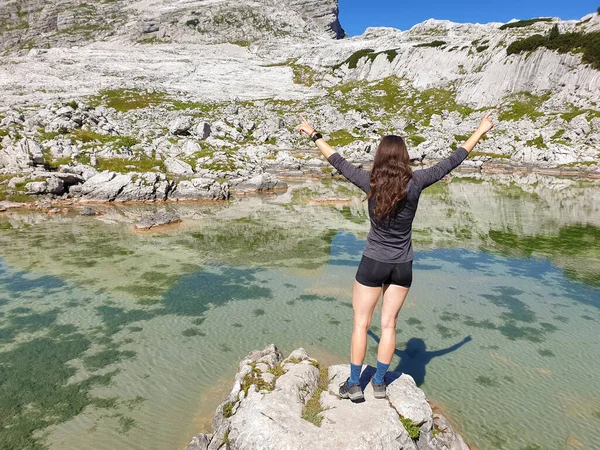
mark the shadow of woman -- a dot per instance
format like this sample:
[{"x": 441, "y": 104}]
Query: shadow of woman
[{"x": 415, "y": 357}]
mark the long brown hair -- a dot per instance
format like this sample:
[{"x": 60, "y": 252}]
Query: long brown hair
[{"x": 389, "y": 176}]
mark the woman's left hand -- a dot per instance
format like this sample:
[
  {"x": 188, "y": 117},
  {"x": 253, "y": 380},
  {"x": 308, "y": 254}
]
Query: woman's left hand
[{"x": 305, "y": 127}]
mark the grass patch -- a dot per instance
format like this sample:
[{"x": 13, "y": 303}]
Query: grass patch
[
  {"x": 241, "y": 43},
  {"x": 524, "y": 23},
  {"x": 228, "y": 409},
  {"x": 537, "y": 142},
  {"x": 524, "y": 104},
  {"x": 590, "y": 114},
  {"x": 254, "y": 378},
  {"x": 413, "y": 429},
  {"x": 340, "y": 138},
  {"x": 313, "y": 409},
  {"x": 304, "y": 75},
  {"x": 415, "y": 140},
  {"x": 121, "y": 165},
  {"x": 491, "y": 155}
]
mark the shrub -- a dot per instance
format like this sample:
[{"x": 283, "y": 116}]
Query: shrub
[
  {"x": 353, "y": 60},
  {"x": 525, "y": 23},
  {"x": 431, "y": 44},
  {"x": 589, "y": 43}
]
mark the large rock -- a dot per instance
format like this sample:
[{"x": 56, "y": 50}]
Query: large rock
[
  {"x": 262, "y": 182},
  {"x": 181, "y": 126},
  {"x": 26, "y": 153},
  {"x": 178, "y": 167},
  {"x": 104, "y": 186},
  {"x": 200, "y": 189},
  {"x": 264, "y": 411}
]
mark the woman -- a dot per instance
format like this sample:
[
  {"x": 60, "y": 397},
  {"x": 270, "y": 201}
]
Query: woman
[{"x": 393, "y": 191}]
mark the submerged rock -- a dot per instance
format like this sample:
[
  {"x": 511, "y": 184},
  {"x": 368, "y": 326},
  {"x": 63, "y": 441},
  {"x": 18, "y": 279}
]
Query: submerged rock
[
  {"x": 265, "y": 410},
  {"x": 157, "y": 219},
  {"x": 87, "y": 211}
]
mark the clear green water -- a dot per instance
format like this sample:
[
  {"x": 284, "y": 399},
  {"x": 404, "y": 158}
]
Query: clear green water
[{"x": 115, "y": 339}]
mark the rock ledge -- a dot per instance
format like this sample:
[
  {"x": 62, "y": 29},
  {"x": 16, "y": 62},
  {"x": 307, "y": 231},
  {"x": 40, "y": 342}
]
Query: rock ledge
[{"x": 265, "y": 407}]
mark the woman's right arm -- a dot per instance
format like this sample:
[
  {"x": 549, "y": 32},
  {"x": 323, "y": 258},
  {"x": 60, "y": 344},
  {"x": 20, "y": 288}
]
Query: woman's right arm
[{"x": 427, "y": 177}]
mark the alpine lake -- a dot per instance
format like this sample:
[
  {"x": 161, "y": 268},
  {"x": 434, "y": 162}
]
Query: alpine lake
[{"x": 111, "y": 338}]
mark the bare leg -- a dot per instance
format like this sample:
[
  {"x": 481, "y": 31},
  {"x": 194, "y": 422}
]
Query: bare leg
[
  {"x": 364, "y": 299},
  {"x": 393, "y": 299}
]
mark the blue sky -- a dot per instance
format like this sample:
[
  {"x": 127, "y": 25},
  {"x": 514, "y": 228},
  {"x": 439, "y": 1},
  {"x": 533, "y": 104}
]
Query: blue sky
[{"x": 357, "y": 15}]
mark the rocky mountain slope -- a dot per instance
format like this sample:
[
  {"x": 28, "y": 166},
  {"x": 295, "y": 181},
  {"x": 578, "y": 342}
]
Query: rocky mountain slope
[{"x": 147, "y": 95}]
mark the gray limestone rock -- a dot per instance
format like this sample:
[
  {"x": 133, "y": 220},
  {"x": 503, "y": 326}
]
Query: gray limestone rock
[
  {"x": 36, "y": 187},
  {"x": 87, "y": 211},
  {"x": 178, "y": 167},
  {"x": 181, "y": 126},
  {"x": 264, "y": 410},
  {"x": 203, "y": 130},
  {"x": 26, "y": 153},
  {"x": 199, "y": 189},
  {"x": 262, "y": 182},
  {"x": 104, "y": 186}
]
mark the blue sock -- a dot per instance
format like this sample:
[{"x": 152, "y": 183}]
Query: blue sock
[
  {"x": 380, "y": 373},
  {"x": 354, "y": 374}
]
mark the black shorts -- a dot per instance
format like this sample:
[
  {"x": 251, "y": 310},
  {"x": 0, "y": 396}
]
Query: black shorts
[{"x": 374, "y": 273}]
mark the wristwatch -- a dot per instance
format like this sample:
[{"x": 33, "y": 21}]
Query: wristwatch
[{"x": 316, "y": 137}]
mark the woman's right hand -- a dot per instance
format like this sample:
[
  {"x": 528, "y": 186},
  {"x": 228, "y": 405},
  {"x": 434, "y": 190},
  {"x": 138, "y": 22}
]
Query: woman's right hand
[
  {"x": 305, "y": 127},
  {"x": 486, "y": 124}
]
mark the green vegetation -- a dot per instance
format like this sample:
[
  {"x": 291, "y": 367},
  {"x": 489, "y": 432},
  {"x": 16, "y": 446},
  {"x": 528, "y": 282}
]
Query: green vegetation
[
  {"x": 491, "y": 155},
  {"x": 486, "y": 381},
  {"x": 587, "y": 43},
  {"x": 582, "y": 241},
  {"x": 124, "y": 100},
  {"x": 313, "y": 409},
  {"x": 304, "y": 75},
  {"x": 482, "y": 48},
  {"x": 228, "y": 409},
  {"x": 254, "y": 378},
  {"x": 524, "y": 23},
  {"x": 127, "y": 99},
  {"x": 121, "y": 165},
  {"x": 415, "y": 140},
  {"x": 524, "y": 104},
  {"x": 574, "y": 112},
  {"x": 340, "y": 138},
  {"x": 190, "y": 332},
  {"x": 36, "y": 391},
  {"x": 413, "y": 429},
  {"x": 558, "y": 134},
  {"x": 241, "y": 43},
  {"x": 86, "y": 136},
  {"x": 277, "y": 370},
  {"x": 353, "y": 59},
  {"x": 106, "y": 357},
  {"x": 537, "y": 142},
  {"x": 431, "y": 44}
]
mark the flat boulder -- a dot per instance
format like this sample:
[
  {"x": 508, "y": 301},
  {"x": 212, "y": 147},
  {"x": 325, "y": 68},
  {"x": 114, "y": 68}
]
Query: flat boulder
[{"x": 156, "y": 219}]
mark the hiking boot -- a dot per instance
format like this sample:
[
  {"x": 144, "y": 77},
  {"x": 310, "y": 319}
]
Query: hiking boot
[
  {"x": 379, "y": 390},
  {"x": 354, "y": 393}
]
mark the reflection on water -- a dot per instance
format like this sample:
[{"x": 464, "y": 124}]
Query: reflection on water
[{"x": 115, "y": 339}]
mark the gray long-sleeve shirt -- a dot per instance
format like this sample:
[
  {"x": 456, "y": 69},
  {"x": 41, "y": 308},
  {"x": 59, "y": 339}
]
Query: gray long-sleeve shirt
[{"x": 392, "y": 241}]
